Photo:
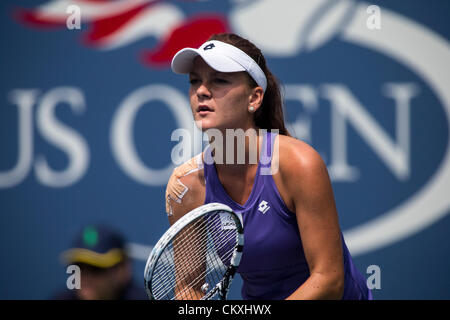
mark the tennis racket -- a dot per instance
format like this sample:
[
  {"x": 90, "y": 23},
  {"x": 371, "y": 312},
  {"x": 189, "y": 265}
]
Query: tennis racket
[{"x": 197, "y": 257}]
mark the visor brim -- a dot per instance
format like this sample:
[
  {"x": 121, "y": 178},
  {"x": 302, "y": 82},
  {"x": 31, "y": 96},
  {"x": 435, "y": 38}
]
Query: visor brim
[{"x": 183, "y": 61}]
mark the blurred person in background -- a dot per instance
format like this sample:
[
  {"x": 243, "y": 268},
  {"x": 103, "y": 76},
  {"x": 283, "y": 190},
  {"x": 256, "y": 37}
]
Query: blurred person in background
[{"x": 105, "y": 268}]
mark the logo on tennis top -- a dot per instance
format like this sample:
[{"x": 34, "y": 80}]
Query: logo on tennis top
[
  {"x": 209, "y": 46},
  {"x": 263, "y": 206}
]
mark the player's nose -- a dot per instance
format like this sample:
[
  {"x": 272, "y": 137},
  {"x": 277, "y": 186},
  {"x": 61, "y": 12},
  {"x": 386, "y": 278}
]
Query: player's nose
[{"x": 203, "y": 91}]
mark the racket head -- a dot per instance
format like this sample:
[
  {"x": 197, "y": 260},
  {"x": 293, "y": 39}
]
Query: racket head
[{"x": 222, "y": 241}]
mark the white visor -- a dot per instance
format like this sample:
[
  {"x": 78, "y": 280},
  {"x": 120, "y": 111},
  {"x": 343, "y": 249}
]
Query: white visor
[{"x": 220, "y": 56}]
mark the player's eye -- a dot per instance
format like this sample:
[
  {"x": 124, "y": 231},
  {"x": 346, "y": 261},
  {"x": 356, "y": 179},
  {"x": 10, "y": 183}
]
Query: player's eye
[{"x": 221, "y": 80}]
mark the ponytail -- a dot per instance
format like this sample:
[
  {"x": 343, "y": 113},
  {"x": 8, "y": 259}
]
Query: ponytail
[{"x": 270, "y": 114}]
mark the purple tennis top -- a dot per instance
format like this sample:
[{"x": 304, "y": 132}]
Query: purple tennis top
[{"x": 273, "y": 263}]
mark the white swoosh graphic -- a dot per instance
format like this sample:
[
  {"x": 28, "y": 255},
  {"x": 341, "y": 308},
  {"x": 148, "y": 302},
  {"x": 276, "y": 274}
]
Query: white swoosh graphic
[
  {"x": 428, "y": 54},
  {"x": 89, "y": 10}
]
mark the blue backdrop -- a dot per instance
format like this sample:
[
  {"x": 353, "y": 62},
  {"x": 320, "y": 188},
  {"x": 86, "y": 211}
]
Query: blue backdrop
[{"x": 86, "y": 117}]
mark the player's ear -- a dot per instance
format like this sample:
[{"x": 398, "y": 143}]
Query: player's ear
[{"x": 255, "y": 98}]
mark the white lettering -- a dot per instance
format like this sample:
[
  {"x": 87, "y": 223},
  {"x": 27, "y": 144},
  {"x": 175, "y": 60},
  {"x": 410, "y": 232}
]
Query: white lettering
[
  {"x": 374, "y": 20},
  {"x": 74, "y": 280},
  {"x": 74, "y": 20},
  {"x": 374, "y": 281},
  {"x": 62, "y": 137},
  {"x": 307, "y": 96},
  {"x": 24, "y": 99},
  {"x": 345, "y": 108},
  {"x": 121, "y": 136}
]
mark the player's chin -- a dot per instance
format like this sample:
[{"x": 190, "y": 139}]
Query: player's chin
[{"x": 205, "y": 123}]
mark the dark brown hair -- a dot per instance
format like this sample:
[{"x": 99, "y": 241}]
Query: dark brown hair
[{"x": 270, "y": 114}]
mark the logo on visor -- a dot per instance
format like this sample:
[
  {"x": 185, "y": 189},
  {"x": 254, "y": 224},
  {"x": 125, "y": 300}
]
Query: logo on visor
[{"x": 209, "y": 46}]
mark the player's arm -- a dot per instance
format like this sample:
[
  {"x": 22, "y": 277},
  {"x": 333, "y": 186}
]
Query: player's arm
[
  {"x": 185, "y": 190},
  {"x": 310, "y": 191},
  {"x": 183, "y": 194}
]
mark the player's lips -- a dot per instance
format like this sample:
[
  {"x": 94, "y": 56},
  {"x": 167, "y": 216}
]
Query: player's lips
[{"x": 204, "y": 109}]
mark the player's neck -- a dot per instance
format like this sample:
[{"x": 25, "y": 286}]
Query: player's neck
[{"x": 238, "y": 152}]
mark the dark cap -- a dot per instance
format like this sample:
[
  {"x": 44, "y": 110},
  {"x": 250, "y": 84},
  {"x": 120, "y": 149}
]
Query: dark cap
[{"x": 96, "y": 245}]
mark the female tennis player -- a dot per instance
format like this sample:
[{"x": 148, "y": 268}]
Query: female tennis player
[{"x": 294, "y": 248}]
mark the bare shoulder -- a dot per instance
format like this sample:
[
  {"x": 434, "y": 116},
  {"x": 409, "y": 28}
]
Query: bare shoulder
[
  {"x": 296, "y": 169},
  {"x": 185, "y": 189},
  {"x": 297, "y": 157},
  {"x": 300, "y": 171}
]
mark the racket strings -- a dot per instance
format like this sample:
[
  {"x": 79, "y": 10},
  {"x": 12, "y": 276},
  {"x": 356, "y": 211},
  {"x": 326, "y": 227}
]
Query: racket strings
[
  {"x": 169, "y": 261},
  {"x": 166, "y": 261},
  {"x": 167, "y": 257},
  {"x": 199, "y": 255},
  {"x": 213, "y": 260},
  {"x": 215, "y": 278},
  {"x": 179, "y": 276},
  {"x": 219, "y": 246}
]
